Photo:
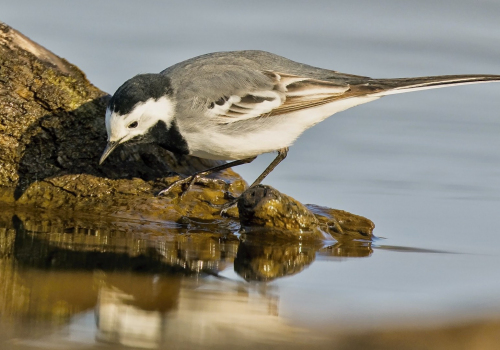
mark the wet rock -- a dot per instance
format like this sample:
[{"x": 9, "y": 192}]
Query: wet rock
[
  {"x": 52, "y": 134},
  {"x": 342, "y": 224},
  {"x": 264, "y": 211},
  {"x": 264, "y": 206}
]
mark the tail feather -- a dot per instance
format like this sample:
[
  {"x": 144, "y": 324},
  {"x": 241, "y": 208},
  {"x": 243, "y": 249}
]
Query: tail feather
[{"x": 401, "y": 85}]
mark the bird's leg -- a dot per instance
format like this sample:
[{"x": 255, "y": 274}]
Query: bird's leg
[
  {"x": 282, "y": 152},
  {"x": 281, "y": 155},
  {"x": 190, "y": 180}
]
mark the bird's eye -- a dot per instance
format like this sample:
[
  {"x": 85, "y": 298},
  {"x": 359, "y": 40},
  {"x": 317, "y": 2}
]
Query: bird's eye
[{"x": 133, "y": 125}]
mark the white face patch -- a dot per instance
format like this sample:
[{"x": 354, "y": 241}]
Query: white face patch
[{"x": 142, "y": 117}]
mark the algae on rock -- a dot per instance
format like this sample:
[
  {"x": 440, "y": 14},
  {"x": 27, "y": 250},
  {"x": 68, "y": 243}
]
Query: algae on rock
[{"x": 52, "y": 134}]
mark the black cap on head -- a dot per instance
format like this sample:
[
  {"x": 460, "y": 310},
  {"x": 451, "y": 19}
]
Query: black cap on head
[{"x": 138, "y": 89}]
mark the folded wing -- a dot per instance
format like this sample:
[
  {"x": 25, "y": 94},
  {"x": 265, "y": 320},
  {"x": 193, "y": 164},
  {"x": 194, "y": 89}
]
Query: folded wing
[
  {"x": 291, "y": 93},
  {"x": 288, "y": 93}
]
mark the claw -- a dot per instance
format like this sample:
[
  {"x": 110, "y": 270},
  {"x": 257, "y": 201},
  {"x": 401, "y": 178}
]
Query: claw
[
  {"x": 225, "y": 207},
  {"x": 191, "y": 180},
  {"x": 175, "y": 184}
]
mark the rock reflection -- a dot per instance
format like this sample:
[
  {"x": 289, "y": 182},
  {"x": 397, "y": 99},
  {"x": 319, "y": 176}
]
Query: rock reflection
[
  {"x": 265, "y": 260},
  {"x": 261, "y": 260},
  {"x": 148, "y": 285},
  {"x": 41, "y": 242},
  {"x": 347, "y": 248}
]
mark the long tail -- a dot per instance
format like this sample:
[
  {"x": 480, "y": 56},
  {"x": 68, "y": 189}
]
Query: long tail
[{"x": 397, "y": 86}]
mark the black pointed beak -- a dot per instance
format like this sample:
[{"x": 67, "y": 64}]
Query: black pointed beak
[{"x": 107, "y": 151}]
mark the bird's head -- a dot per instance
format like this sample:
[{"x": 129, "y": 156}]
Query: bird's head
[{"x": 137, "y": 106}]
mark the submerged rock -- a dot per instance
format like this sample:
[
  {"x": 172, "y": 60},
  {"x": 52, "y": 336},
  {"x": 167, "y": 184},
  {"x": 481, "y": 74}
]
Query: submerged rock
[
  {"x": 264, "y": 211},
  {"x": 265, "y": 207}
]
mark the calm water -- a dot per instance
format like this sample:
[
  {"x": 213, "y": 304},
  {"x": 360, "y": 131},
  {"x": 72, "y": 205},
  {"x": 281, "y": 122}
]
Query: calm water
[{"x": 425, "y": 167}]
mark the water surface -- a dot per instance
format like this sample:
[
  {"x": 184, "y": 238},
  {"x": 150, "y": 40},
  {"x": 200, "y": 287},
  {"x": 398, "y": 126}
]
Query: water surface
[{"x": 425, "y": 167}]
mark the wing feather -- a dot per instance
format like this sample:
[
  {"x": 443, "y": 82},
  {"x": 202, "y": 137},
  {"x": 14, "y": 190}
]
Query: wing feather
[
  {"x": 297, "y": 103},
  {"x": 288, "y": 93}
]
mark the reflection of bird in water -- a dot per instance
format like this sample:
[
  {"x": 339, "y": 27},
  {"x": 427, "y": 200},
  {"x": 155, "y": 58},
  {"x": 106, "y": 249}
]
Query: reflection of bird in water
[{"x": 205, "y": 313}]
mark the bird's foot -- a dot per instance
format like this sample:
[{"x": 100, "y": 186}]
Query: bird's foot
[
  {"x": 175, "y": 184},
  {"x": 228, "y": 205},
  {"x": 190, "y": 181}
]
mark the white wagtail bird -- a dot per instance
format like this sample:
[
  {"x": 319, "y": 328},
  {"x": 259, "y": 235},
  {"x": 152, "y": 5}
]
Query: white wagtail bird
[{"x": 237, "y": 105}]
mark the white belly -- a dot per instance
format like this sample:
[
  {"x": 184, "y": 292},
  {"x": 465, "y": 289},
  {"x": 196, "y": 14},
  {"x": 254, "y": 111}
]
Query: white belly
[{"x": 273, "y": 133}]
